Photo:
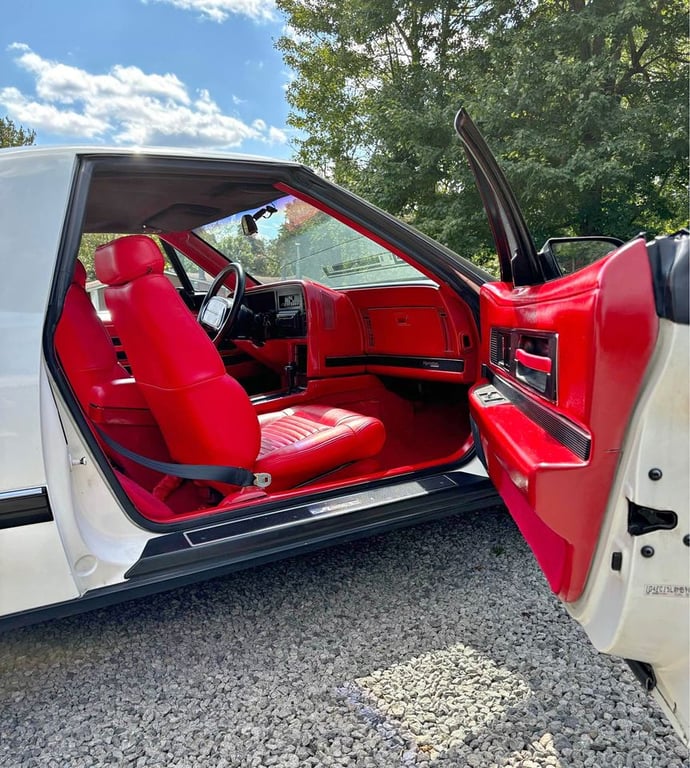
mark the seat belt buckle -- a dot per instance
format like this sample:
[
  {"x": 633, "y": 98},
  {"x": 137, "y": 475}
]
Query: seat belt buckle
[{"x": 262, "y": 479}]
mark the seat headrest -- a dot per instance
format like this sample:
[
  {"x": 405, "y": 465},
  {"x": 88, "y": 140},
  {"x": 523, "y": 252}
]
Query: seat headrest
[
  {"x": 79, "y": 274},
  {"x": 123, "y": 260}
]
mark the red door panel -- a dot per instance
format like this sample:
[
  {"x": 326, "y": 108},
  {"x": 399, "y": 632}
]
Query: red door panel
[{"x": 564, "y": 362}]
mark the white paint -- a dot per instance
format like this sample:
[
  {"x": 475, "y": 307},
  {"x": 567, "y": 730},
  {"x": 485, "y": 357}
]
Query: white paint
[
  {"x": 92, "y": 524},
  {"x": 33, "y": 568},
  {"x": 618, "y": 611},
  {"x": 33, "y": 198}
]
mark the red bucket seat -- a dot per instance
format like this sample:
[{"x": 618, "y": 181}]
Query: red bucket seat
[
  {"x": 84, "y": 346},
  {"x": 205, "y": 416}
]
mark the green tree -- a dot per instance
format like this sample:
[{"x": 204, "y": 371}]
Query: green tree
[
  {"x": 13, "y": 136},
  {"x": 584, "y": 102}
]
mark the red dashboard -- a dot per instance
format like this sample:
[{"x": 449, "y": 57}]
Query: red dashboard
[{"x": 415, "y": 331}]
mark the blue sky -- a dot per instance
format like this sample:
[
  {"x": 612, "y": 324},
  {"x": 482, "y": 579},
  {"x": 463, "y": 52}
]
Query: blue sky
[{"x": 193, "y": 73}]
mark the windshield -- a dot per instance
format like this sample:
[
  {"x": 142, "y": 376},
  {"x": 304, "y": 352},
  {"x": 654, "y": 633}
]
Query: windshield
[{"x": 296, "y": 240}]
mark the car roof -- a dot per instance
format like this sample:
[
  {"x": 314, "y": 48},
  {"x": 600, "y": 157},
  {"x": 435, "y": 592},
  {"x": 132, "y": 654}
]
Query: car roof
[{"x": 133, "y": 151}]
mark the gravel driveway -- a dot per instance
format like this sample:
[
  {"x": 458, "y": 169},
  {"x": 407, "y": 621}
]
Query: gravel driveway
[{"x": 438, "y": 646}]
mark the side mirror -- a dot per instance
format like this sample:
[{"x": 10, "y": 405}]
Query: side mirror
[
  {"x": 248, "y": 225},
  {"x": 574, "y": 253}
]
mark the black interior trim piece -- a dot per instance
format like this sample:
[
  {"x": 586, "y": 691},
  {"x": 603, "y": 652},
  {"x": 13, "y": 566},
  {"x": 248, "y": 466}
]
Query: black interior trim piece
[
  {"x": 398, "y": 361},
  {"x": 24, "y": 507},
  {"x": 517, "y": 254},
  {"x": 567, "y": 433},
  {"x": 182, "y": 276},
  {"x": 287, "y": 531},
  {"x": 308, "y": 512}
]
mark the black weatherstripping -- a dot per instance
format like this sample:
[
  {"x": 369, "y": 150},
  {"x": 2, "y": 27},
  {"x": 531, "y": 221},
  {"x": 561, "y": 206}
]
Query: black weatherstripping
[
  {"x": 24, "y": 507},
  {"x": 668, "y": 257},
  {"x": 520, "y": 263},
  {"x": 316, "y": 524}
]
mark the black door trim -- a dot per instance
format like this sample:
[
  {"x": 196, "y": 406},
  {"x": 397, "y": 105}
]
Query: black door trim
[
  {"x": 560, "y": 428},
  {"x": 455, "y": 365},
  {"x": 24, "y": 507}
]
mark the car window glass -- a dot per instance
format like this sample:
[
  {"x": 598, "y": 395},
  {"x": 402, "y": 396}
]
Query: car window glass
[
  {"x": 574, "y": 253},
  {"x": 296, "y": 240}
]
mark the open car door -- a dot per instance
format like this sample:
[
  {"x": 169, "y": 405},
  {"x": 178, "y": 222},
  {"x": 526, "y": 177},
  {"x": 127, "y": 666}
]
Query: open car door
[{"x": 581, "y": 419}]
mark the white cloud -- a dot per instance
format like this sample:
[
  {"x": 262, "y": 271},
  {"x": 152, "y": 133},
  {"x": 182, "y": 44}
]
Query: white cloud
[
  {"x": 65, "y": 83},
  {"x": 276, "y": 136},
  {"x": 220, "y": 10},
  {"x": 46, "y": 116},
  {"x": 125, "y": 105}
]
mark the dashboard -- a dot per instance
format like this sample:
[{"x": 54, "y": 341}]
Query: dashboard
[
  {"x": 277, "y": 312},
  {"x": 414, "y": 331}
]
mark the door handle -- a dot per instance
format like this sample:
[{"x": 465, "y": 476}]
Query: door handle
[{"x": 535, "y": 362}]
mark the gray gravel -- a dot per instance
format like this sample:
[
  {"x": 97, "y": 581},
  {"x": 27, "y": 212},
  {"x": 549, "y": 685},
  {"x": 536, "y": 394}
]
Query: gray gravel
[{"x": 436, "y": 646}]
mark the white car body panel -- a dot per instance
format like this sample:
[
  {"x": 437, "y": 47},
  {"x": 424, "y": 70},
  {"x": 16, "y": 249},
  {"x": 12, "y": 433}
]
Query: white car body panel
[
  {"x": 33, "y": 568},
  {"x": 100, "y": 541},
  {"x": 34, "y": 192},
  {"x": 643, "y": 611}
]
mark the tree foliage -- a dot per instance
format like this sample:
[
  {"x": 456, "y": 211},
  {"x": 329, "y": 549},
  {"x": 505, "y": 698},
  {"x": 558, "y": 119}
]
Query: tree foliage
[
  {"x": 584, "y": 102},
  {"x": 14, "y": 136}
]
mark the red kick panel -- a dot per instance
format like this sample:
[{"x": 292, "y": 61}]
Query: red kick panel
[{"x": 605, "y": 320}]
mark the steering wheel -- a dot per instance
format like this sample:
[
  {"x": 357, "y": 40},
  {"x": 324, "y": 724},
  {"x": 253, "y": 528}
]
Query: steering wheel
[{"x": 218, "y": 314}]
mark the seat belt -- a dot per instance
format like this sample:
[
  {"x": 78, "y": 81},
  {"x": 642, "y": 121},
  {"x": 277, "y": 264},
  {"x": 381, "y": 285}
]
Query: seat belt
[{"x": 214, "y": 472}]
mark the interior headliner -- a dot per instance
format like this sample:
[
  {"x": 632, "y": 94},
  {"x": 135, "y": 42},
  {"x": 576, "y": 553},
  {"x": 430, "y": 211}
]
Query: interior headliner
[{"x": 154, "y": 196}]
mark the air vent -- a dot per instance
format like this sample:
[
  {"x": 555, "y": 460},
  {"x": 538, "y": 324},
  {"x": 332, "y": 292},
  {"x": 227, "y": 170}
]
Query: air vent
[
  {"x": 369, "y": 330},
  {"x": 499, "y": 348},
  {"x": 443, "y": 317}
]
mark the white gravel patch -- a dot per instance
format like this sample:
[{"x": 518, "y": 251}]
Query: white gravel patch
[
  {"x": 438, "y": 700},
  {"x": 437, "y": 646}
]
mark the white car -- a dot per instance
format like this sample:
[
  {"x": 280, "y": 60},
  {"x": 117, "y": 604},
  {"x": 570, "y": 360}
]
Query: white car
[{"x": 353, "y": 377}]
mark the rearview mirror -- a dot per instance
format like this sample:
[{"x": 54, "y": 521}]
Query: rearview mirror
[
  {"x": 574, "y": 253},
  {"x": 248, "y": 225}
]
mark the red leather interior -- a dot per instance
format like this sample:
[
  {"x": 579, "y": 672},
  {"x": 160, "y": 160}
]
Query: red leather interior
[
  {"x": 418, "y": 435},
  {"x": 104, "y": 389},
  {"x": 118, "y": 401},
  {"x": 204, "y": 414},
  {"x": 146, "y": 503},
  {"x": 84, "y": 347},
  {"x": 297, "y": 443},
  {"x": 606, "y": 326}
]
